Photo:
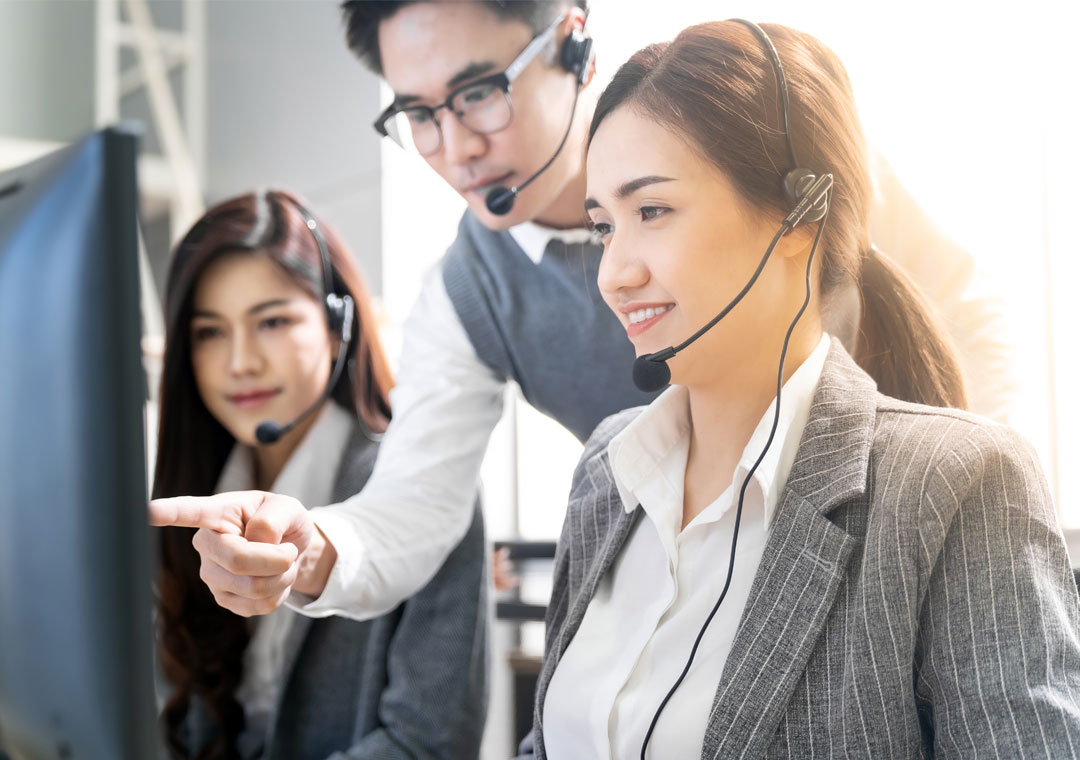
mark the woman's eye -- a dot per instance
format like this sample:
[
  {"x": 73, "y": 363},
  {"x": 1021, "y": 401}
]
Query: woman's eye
[
  {"x": 271, "y": 323},
  {"x": 651, "y": 212},
  {"x": 600, "y": 230},
  {"x": 205, "y": 333}
]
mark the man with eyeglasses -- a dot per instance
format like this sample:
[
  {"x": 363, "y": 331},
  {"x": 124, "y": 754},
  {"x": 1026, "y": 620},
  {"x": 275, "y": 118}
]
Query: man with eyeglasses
[
  {"x": 489, "y": 93},
  {"x": 484, "y": 92}
]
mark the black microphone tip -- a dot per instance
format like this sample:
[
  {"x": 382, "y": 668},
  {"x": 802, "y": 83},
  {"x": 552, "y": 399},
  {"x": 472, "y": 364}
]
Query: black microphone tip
[
  {"x": 500, "y": 200},
  {"x": 268, "y": 432},
  {"x": 651, "y": 374}
]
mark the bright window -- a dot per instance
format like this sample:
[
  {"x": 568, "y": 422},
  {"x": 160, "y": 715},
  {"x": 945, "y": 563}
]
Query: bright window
[{"x": 976, "y": 111}]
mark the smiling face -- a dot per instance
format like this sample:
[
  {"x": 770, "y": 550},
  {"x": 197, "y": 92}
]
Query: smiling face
[
  {"x": 260, "y": 345},
  {"x": 679, "y": 244},
  {"x": 429, "y": 49}
]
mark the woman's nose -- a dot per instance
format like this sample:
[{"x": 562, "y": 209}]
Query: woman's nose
[
  {"x": 245, "y": 357},
  {"x": 620, "y": 268}
]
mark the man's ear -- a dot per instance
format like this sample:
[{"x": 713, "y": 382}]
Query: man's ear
[
  {"x": 574, "y": 19},
  {"x": 592, "y": 70}
]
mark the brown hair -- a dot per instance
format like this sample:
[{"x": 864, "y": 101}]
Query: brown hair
[
  {"x": 715, "y": 85},
  {"x": 200, "y": 644}
]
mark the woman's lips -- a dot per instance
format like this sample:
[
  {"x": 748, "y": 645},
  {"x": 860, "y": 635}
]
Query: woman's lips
[
  {"x": 637, "y": 328},
  {"x": 253, "y": 399}
]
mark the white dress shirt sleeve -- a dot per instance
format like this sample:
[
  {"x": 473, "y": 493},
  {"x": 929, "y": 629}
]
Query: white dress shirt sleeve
[{"x": 393, "y": 536}]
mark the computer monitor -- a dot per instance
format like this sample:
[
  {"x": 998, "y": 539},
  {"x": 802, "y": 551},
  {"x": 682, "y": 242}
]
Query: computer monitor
[{"x": 75, "y": 585}]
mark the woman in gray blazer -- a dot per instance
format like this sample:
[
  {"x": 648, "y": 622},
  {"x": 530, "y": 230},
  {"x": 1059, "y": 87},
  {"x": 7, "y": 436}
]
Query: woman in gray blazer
[
  {"x": 252, "y": 337},
  {"x": 793, "y": 552}
]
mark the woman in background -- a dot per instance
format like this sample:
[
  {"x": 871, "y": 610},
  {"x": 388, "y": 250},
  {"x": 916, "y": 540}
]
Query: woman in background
[
  {"x": 793, "y": 551},
  {"x": 250, "y": 339}
]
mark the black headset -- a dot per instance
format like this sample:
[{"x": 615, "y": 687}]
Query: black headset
[
  {"x": 576, "y": 54},
  {"x": 798, "y": 181},
  {"x": 339, "y": 309},
  {"x": 808, "y": 196},
  {"x": 340, "y": 313}
]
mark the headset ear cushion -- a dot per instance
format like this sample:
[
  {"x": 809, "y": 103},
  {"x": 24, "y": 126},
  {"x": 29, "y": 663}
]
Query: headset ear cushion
[
  {"x": 335, "y": 312},
  {"x": 575, "y": 54},
  {"x": 796, "y": 183}
]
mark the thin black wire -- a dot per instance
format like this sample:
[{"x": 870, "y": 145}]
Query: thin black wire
[
  {"x": 734, "y": 301},
  {"x": 573, "y": 109},
  {"x": 746, "y": 482}
]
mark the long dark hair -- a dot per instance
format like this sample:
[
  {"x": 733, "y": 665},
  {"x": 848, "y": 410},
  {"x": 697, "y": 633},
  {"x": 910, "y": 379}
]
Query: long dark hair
[
  {"x": 200, "y": 644},
  {"x": 715, "y": 85}
]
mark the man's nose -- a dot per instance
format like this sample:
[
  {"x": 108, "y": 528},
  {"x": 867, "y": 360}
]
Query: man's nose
[{"x": 460, "y": 144}]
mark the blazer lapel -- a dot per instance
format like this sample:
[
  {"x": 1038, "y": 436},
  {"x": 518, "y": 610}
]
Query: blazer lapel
[
  {"x": 802, "y": 567},
  {"x": 298, "y": 630},
  {"x": 354, "y": 469},
  {"x": 613, "y": 528}
]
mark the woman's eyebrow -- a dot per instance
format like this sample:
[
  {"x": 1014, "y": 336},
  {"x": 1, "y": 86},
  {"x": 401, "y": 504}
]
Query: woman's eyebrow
[
  {"x": 627, "y": 189},
  {"x": 208, "y": 314},
  {"x": 269, "y": 304}
]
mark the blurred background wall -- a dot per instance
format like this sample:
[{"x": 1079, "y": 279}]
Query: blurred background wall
[{"x": 269, "y": 95}]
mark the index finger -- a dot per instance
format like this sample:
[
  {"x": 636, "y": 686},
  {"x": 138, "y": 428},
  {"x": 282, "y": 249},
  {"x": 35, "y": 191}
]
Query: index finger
[{"x": 223, "y": 512}]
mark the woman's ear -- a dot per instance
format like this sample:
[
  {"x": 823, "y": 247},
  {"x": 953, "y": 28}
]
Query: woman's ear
[{"x": 797, "y": 242}]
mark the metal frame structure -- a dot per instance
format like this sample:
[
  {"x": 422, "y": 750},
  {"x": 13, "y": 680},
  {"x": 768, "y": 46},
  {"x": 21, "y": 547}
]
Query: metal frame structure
[{"x": 176, "y": 176}]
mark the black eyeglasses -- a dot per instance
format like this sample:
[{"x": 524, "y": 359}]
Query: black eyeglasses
[{"x": 482, "y": 106}]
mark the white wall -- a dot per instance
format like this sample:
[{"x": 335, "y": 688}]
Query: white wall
[
  {"x": 45, "y": 95},
  {"x": 289, "y": 105}
]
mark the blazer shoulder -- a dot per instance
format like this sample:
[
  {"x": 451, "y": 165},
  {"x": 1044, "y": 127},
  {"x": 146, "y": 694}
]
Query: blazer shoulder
[
  {"x": 950, "y": 429},
  {"x": 948, "y": 454}
]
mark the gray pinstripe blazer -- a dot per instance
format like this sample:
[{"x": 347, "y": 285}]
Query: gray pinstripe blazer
[{"x": 914, "y": 598}]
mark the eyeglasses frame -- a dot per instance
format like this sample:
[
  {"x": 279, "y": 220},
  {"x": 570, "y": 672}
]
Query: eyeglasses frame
[{"x": 502, "y": 80}]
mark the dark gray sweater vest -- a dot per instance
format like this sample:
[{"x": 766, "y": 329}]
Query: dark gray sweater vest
[{"x": 544, "y": 326}]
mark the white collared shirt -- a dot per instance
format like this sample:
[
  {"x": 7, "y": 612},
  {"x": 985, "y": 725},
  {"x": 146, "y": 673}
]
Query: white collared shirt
[
  {"x": 533, "y": 238},
  {"x": 641, "y": 624},
  {"x": 308, "y": 476},
  {"x": 393, "y": 536}
]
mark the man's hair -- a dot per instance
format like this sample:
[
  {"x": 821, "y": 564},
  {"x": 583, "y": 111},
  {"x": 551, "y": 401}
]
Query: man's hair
[{"x": 362, "y": 19}]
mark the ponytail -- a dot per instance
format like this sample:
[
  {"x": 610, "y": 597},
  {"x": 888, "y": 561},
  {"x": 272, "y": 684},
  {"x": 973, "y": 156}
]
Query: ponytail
[{"x": 901, "y": 343}]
